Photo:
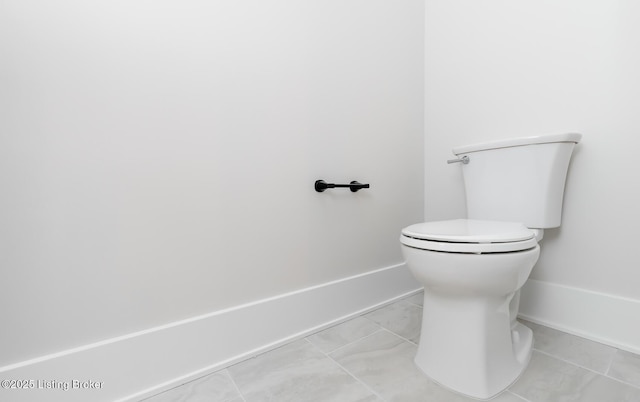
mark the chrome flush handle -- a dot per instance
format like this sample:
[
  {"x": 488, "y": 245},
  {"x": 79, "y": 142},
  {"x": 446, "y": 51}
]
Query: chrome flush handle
[{"x": 464, "y": 160}]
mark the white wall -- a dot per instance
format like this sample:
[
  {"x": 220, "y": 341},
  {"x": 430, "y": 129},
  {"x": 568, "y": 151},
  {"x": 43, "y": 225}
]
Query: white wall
[
  {"x": 499, "y": 69},
  {"x": 157, "y": 159}
]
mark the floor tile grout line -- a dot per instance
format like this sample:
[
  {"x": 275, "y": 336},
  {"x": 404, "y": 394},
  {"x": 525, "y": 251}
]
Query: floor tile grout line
[
  {"x": 380, "y": 328},
  {"x": 373, "y": 392},
  {"x": 517, "y": 395},
  {"x": 410, "y": 302},
  {"x": 562, "y": 359},
  {"x": 389, "y": 330},
  {"x": 327, "y": 355},
  {"x": 350, "y": 342},
  {"x": 233, "y": 380},
  {"x": 636, "y": 386},
  {"x": 586, "y": 368},
  {"x": 400, "y": 336},
  {"x": 613, "y": 356}
]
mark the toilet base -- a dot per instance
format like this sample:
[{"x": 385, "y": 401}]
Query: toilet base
[{"x": 471, "y": 346}]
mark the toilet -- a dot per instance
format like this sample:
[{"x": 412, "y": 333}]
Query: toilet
[{"x": 472, "y": 269}]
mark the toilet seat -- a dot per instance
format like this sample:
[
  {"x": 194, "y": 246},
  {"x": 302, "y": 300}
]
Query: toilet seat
[{"x": 469, "y": 236}]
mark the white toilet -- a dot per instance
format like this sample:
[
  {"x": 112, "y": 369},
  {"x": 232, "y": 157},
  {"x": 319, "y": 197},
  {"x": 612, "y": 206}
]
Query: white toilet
[{"x": 472, "y": 269}]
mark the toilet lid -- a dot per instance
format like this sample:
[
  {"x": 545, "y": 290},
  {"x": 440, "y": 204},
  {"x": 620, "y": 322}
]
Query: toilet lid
[{"x": 469, "y": 236}]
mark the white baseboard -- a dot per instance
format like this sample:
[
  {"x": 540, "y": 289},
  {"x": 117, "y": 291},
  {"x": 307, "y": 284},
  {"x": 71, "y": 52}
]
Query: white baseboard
[
  {"x": 604, "y": 318},
  {"x": 138, "y": 365}
]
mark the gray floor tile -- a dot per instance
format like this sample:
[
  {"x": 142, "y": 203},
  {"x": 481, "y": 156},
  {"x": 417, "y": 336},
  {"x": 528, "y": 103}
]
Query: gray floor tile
[
  {"x": 402, "y": 318},
  {"x": 626, "y": 367},
  {"x": 508, "y": 396},
  {"x": 217, "y": 387},
  {"x": 371, "y": 359},
  {"x": 384, "y": 362},
  {"x": 335, "y": 337},
  {"x": 583, "y": 352},
  {"x": 417, "y": 299},
  {"x": 549, "y": 379},
  {"x": 296, "y": 372},
  {"x": 606, "y": 389}
]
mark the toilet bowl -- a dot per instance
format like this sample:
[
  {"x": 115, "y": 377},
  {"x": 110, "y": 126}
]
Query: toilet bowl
[{"x": 471, "y": 270}]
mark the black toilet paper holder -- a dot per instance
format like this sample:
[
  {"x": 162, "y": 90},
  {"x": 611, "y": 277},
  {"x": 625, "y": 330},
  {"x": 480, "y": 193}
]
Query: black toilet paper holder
[{"x": 354, "y": 186}]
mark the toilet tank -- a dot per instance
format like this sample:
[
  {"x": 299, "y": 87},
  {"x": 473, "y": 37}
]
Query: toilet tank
[{"x": 518, "y": 180}]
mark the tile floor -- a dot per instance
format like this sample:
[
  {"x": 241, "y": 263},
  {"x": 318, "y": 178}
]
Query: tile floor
[{"x": 370, "y": 358}]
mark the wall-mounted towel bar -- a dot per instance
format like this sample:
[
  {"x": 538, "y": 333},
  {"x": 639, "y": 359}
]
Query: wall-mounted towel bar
[{"x": 322, "y": 185}]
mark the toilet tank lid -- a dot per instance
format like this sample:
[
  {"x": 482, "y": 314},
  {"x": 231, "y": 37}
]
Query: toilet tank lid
[
  {"x": 515, "y": 142},
  {"x": 470, "y": 231}
]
